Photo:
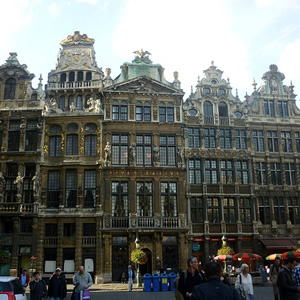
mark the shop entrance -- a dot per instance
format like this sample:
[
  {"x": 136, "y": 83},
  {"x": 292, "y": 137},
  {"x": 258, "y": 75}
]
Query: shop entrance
[
  {"x": 119, "y": 261},
  {"x": 147, "y": 267}
]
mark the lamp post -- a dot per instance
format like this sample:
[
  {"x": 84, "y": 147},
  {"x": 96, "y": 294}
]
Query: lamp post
[{"x": 137, "y": 245}]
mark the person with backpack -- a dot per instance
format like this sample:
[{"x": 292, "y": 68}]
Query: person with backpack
[
  {"x": 214, "y": 288},
  {"x": 190, "y": 278}
]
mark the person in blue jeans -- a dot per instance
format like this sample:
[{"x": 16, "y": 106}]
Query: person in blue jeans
[{"x": 57, "y": 289}]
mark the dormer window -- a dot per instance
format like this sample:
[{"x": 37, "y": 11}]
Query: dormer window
[
  {"x": 206, "y": 91},
  {"x": 63, "y": 77},
  {"x": 10, "y": 88},
  {"x": 214, "y": 81}
]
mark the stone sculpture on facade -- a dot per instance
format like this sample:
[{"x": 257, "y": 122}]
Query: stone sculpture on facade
[
  {"x": 19, "y": 182},
  {"x": 156, "y": 153},
  {"x": 94, "y": 105},
  {"x": 2, "y": 186},
  {"x": 107, "y": 153},
  {"x": 132, "y": 153},
  {"x": 36, "y": 183},
  {"x": 180, "y": 154}
]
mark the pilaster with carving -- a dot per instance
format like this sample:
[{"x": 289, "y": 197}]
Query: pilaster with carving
[{"x": 78, "y": 243}]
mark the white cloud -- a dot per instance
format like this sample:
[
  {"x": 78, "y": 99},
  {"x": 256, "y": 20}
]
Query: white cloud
[
  {"x": 290, "y": 65},
  {"x": 183, "y": 37},
  {"x": 53, "y": 8},
  {"x": 87, "y": 1}
]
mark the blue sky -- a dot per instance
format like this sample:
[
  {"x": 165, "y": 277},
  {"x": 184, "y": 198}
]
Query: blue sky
[{"x": 243, "y": 37}]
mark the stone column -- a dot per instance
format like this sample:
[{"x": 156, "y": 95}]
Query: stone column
[
  {"x": 156, "y": 194},
  {"x": 206, "y": 250},
  {"x": 99, "y": 252},
  {"x": 40, "y": 245},
  {"x": 183, "y": 251},
  {"x": 107, "y": 275},
  {"x": 60, "y": 237},
  {"x": 15, "y": 247},
  {"x": 78, "y": 243},
  {"x": 182, "y": 209},
  {"x": 132, "y": 196}
]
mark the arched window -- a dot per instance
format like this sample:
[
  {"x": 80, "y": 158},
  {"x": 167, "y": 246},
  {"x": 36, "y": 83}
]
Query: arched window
[
  {"x": 79, "y": 102},
  {"x": 10, "y": 88},
  {"x": 61, "y": 103},
  {"x": 80, "y": 76},
  {"x": 70, "y": 100},
  {"x": 72, "y": 76},
  {"x": 63, "y": 77},
  {"x": 208, "y": 109},
  {"x": 88, "y": 76},
  {"x": 223, "y": 111},
  {"x": 34, "y": 96}
]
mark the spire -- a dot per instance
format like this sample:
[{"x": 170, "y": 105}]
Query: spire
[{"x": 254, "y": 84}]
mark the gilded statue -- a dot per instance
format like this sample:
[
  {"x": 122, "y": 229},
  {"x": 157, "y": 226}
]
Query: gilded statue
[{"x": 142, "y": 53}]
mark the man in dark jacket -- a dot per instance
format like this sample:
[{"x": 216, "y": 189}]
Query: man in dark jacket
[
  {"x": 214, "y": 288},
  {"x": 57, "y": 289},
  {"x": 287, "y": 284},
  {"x": 38, "y": 289},
  {"x": 190, "y": 278}
]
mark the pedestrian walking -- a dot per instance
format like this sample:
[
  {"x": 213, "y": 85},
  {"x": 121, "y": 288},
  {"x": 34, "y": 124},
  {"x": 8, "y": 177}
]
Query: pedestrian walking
[
  {"x": 24, "y": 279},
  {"x": 287, "y": 283},
  {"x": 243, "y": 283},
  {"x": 130, "y": 276},
  {"x": 38, "y": 289},
  {"x": 296, "y": 272},
  {"x": 264, "y": 275},
  {"x": 274, "y": 270},
  {"x": 214, "y": 288},
  {"x": 57, "y": 289},
  {"x": 82, "y": 281},
  {"x": 190, "y": 278},
  {"x": 177, "y": 294}
]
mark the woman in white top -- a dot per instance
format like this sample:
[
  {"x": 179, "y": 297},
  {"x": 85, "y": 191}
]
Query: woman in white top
[{"x": 244, "y": 284}]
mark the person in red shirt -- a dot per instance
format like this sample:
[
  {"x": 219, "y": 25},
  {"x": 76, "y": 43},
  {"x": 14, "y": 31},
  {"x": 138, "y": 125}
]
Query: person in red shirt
[{"x": 24, "y": 278}]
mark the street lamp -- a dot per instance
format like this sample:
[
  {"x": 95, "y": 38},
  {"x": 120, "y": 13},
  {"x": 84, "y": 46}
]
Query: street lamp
[{"x": 137, "y": 246}]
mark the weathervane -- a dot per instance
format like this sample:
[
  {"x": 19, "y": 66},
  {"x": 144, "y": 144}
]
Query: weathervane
[{"x": 142, "y": 53}]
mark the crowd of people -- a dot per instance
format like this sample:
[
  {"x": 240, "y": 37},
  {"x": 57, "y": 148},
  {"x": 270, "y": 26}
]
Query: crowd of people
[
  {"x": 57, "y": 287},
  {"x": 193, "y": 284}
]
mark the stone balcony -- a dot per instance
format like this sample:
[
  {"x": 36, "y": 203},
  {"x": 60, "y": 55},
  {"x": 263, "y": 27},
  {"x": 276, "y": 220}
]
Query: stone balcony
[
  {"x": 134, "y": 222},
  {"x": 24, "y": 208},
  {"x": 74, "y": 84}
]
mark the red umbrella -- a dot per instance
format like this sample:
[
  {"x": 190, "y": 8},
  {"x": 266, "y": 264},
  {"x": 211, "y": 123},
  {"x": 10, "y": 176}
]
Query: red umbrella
[
  {"x": 290, "y": 254},
  {"x": 246, "y": 256}
]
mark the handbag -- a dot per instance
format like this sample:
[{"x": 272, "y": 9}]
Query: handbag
[
  {"x": 241, "y": 290},
  {"x": 86, "y": 295}
]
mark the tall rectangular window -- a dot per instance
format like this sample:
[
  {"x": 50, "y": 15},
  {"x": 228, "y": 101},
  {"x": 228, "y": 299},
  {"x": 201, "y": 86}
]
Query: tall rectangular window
[
  {"x": 209, "y": 138},
  {"x": 197, "y": 210},
  {"x": 211, "y": 171},
  {"x": 258, "y": 140},
  {"x": 144, "y": 198},
  {"x": 269, "y": 109},
  {"x": 264, "y": 210},
  {"x": 120, "y": 112},
  {"x": 167, "y": 150},
  {"x": 69, "y": 229},
  {"x": 290, "y": 173},
  {"x": 286, "y": 141},
  {"x": 245, "y": 210},
  {"x": 10, "y": 187},
  {"x": 143, "y": 150},
  {"x": 297, "y": 139},
  {"x": 166, "y": 114},
  {"x": 53, "y": 189},
  {"x": 14, "y": 135},
  {"x": 119, "y": 198},
  {"x": 276, "y": 176},
  {"x": 279, "y": 210},
  {"x": 230, "y": 211},
  {"x": 51, "y": 230},
  {"x": 55, "y": 145},
  {"x": 168, "y": 194},
  {"x": 28, "y": 184},
  {"x": 194, "y": 137},
  {"x": 293, "y": 206},
  {"x": 72, "y": 145},
  {"x": 227, "y": 171},
  {"x": 272, "y": 141},
  {"x": 195, "y": 171},
  {"x": 31, "y": 135},
  {"x": 71, "y": 188},
  {"x": 261, "y": 173},
  {"x": 241, "y": 168},
  {"x": 225, "y": 139},
  {"x": 89, "y": 229},
  {"x": 119, "y": 149},
  {"x": 90, "y": 188},
  {"x": 240, "y": 139},
  {"x": 283, "y": 109},
  {"x": 213, "y": 210},
  {"x": 90, "y": 145}
]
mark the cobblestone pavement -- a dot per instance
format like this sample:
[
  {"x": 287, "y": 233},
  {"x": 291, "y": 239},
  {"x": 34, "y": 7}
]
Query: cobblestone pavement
[{"x": 119, "y": 292}]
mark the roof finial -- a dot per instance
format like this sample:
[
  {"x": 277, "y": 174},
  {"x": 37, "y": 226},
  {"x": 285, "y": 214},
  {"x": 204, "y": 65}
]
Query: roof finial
[
  {"x": 192, "y": 92},
  {"x": 236, "y": 93},
  {"x": 228, "y": 80},
  {"x": 198, "y": 79},
  {"x": 254, "y": 84},
  {"x": 292, "y": 87},
  {"x": 212, "y": 62}
]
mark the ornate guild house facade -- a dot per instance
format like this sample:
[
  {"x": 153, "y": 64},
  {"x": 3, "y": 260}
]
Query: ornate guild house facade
[{"x": 90, "y": 165}]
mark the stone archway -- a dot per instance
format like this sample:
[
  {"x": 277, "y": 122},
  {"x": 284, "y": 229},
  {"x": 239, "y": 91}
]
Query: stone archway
[{"x": 147, "y": 268}]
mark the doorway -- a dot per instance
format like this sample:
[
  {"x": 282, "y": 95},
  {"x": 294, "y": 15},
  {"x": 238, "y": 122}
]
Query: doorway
[
  {"x": 119, "y": 261},
  {"x": 147, "y": 267}
]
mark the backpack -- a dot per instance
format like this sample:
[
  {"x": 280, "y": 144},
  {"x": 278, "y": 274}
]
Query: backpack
[{"x": 185, "y": 276}]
